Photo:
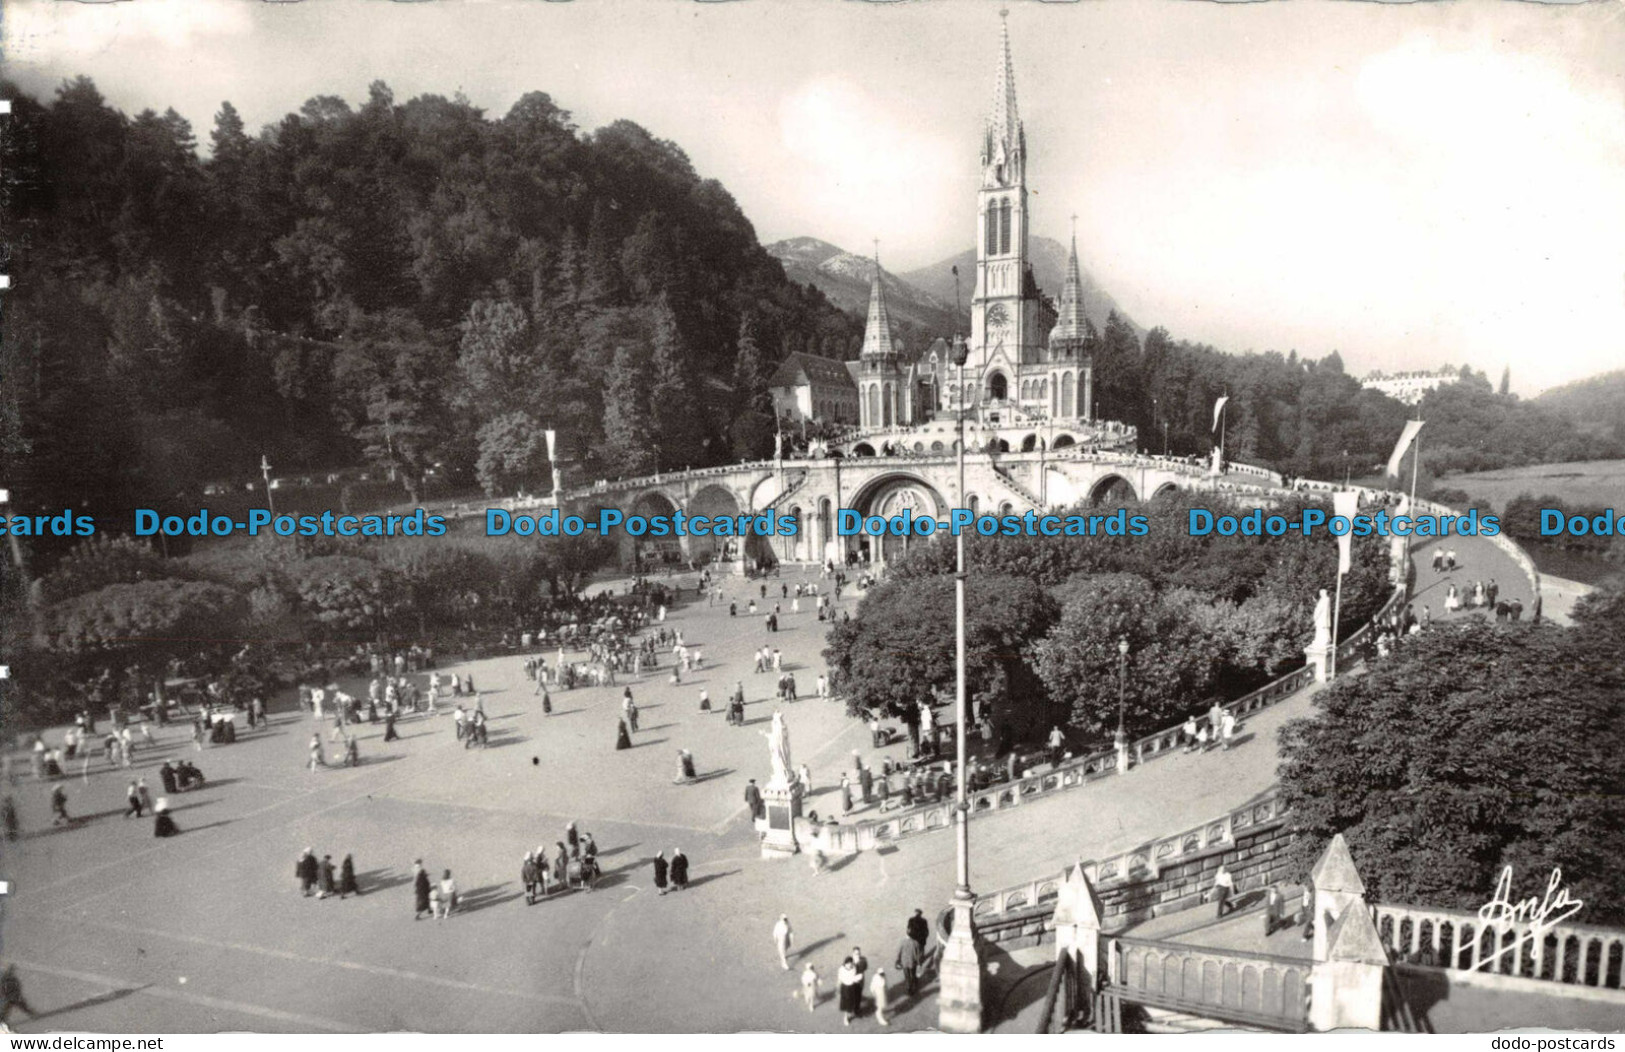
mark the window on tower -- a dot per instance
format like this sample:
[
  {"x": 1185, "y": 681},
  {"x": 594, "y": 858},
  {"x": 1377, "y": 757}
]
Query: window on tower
[
  {"x": 1004, "y": 226},
  {"x": 991, "y": 240}
]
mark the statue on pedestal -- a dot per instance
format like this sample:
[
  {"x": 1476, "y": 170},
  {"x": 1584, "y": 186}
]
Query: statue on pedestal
[
  {"x": 778, "y": 749},
  {"x": 1323, "y": 620}
]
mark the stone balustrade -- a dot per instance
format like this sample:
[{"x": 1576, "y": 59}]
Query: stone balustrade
[{"x": 1459, "y": 940}]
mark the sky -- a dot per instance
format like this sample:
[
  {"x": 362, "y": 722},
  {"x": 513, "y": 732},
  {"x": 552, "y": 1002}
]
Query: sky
[{"x": 1407, "y": 184}]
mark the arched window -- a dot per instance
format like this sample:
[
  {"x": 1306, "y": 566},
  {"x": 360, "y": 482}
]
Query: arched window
[
  {"x": 874, "y": 406},
  {"x": 991, "y": 240},
  {"x": 998, "y": 387},
  {"x": 1066, "y": 395},
  {"x": 1004, "y": 226}
]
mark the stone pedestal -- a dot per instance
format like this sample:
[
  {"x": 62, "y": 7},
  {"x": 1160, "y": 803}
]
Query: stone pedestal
[
  {"x": 778, "y": 829},
  {"x": 959, "y": 1001},
  {"x": 1120, "y": 743},
  {"x": 1320, "y": 659}
]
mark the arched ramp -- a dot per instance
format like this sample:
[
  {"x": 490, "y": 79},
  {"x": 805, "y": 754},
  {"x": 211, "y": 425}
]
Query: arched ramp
[{"x": 1112, "y": 489}]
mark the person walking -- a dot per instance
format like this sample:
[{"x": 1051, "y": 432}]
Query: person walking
[
  {"x": 849, "y": 983},
  {"x": 422, "y": 893},
  {"x": 809, "y": 986},
  {"x": 447, "y": 894},
  {"x": 133, "y": 799},
  {"x": 347, "y": 884},
  {"x": 304, "y": 871},
  {"x": 660, "y": 872},
  {"x": 909, "y": 961},
  {"x": 1224, "y": 885},
  {"x": 679, "y": 869},
  {"x": 325, "y": 885},
  {"x": 753, "y": 800},
  {"x": 782, "y": 937},
  {"x": 919, "y": 930},
  {"x": 878, "y": 990},
  {"x": 144, "y": 793}
]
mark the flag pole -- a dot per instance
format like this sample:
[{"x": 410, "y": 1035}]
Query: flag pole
[
  {"x": 1223, "y": 420},
  {"x": 1337, "y": 617}
]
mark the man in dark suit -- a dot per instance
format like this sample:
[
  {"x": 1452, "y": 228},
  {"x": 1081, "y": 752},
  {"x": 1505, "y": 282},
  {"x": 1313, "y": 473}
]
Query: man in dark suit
[{"x": 753, "y": 799}]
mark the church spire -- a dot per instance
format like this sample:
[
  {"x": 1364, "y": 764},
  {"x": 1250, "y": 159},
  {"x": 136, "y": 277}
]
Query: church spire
[
  {"x": 1071, "y": 325},
  {"x": 1005, "y": 141},
  {"x": 877, "y": 335}
]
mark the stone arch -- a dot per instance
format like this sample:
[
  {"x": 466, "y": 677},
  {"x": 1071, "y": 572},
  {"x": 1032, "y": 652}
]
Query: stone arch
[
  {"x": 714, "y": 500},
  {"x": 1029, "y": 443},
  {"x": 645, "y": 552},
  {"x": 1007, "y": 508},
  {"x": 889, "y": 494},
  {"x": 997, "y": 445},
  {"x": 1165, "y": 488},
  {"x": 998, "y": 387},
  {"x": 863, "y": 449},
  {"x": 1063, "y": 441},
  {"x": 797, "y": 549},
  {"x": 1112, "y": 489}
]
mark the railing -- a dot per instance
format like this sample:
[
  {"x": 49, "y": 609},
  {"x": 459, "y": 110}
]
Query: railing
[
  {"x": 1145, "y": 862},
  {"x": 1254, "y": 989},
  {"x": 1020, "y": 490},
  {"x": 801, "y": 480},
  {"x": 1459, "y": 940}
]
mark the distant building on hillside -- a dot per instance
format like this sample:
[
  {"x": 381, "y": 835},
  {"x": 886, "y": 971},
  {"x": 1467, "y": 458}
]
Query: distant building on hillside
[
  {"x": 1410, "y": 387},
  {"x": 807, "y": 387}
]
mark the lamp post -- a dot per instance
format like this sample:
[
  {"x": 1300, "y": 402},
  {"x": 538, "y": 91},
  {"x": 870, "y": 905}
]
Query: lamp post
[
  {"x": 1120, "y": 740},
  {"x": 960, "y": 999}
]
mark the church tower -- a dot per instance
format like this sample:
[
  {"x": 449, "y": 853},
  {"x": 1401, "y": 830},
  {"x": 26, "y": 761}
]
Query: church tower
[
  {"x": 1004, "y": 309},
  {"x": 1071, "y": 370},
  {"x": 883, "y": 396}
]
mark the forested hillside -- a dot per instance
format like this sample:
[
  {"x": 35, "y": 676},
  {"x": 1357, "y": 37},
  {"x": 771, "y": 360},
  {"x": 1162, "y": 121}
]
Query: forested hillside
[{"x": 413, "y": 283}]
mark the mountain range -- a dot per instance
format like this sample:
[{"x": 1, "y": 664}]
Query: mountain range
[{"x": 921, "y": 301}]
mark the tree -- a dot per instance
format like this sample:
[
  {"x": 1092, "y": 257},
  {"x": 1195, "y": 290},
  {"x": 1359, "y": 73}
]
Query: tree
[
  {"x": 900, "y": 648},
  {"x": 1474, "y": 747},
  {"x": 1506, "y": 381},
  {"x": 1171, "y": 665},
  {"x": 674, "y": 399},
  {"x": 628, "y": 447},
  {"x": 513, "y": 454},
  {"x": 145, "y": 619}
]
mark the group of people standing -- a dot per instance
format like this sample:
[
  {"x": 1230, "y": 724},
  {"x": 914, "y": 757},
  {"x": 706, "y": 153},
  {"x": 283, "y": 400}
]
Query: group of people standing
[
  {"x": 322, "y": 878},
  {"x": 852, "y": 979}
]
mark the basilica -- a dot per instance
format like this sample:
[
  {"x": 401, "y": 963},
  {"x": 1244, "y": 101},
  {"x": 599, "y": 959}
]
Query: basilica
[{"x": 1027, "y": 365}]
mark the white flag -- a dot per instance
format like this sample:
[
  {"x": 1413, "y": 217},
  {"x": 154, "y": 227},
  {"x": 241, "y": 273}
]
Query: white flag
[
  {"x": 1346, "y": 505},
  {"x": 1218, "y": 408},
  {"x": 550, "y": 438},
  {"x": 1405, "y": 440}
]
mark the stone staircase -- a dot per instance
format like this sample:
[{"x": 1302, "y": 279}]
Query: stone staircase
[
  {"x": 787, "y": 492},
  {"x": 1017, "y": 488}
]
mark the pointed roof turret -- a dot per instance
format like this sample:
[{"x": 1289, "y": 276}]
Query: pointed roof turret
[
  {"x": 877, "y": 334},
  {"x": 1071, "y": 324}
]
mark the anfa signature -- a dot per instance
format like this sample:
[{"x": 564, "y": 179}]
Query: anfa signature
[{"x": 1541, "y": 914}]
